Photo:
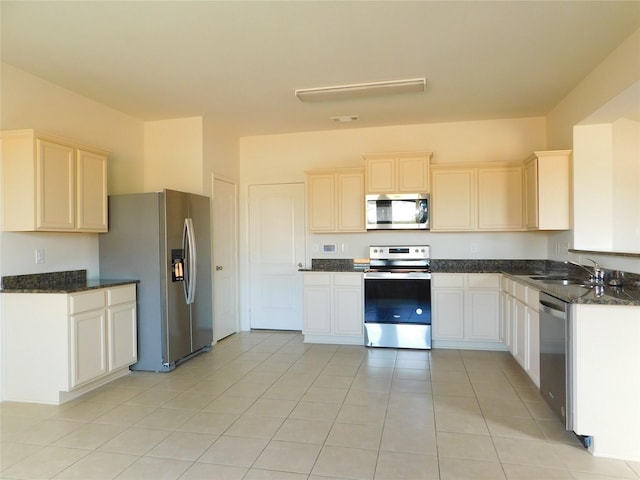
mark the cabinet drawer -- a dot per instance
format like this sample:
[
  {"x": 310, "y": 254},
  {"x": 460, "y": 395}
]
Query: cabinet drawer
[
  {"x": 124, "y": 294},
  {"x": 447, "y": 280},
  {"x": 317, "y": 278},
  {"x": 83, "y": 302},
  {"x": 347, "y": 279},
  {"x": 481, "y": 280},
  {"x": 509, "y": 286},
  {"x": 533, "y": 297},
  {"x": 521, "y": 292}
]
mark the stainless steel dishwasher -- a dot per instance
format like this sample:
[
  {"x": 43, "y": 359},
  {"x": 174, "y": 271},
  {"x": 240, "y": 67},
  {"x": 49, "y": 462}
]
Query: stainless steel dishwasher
[{"x": 555, "y": 357}]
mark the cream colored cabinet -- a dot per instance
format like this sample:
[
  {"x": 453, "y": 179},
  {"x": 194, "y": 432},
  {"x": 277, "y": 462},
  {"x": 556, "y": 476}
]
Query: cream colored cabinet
[
  {"x": 500, "y": 198},
  {"x": 60, "y": 346},
  {"x": 547, "y": 190},
  {"x": 88, "y": 345},
  {"x": 477, "y": 197},
  {"x": 122, "y": 332},
  {"x": 52, "y": 184},
  {"x": 605, "y": 360},
  {"x": 482, "y": 315},
  {"x": 520, "y": 346},
  {"x": 447, "y": 306},
  {"x": 91, "y": 191},
  {"x": 521, "y": 317},
  {"x": 533, "y": 343},
  {"x": 506, "y": 316},
  {"x": 335, "y": 200},
  {"x": 397, "y": 172},
  {"x": 333, "y": 307},
  {"x": 453, "y": 198},
  {"x": 466, "y": 310},
  {"x": 316, "y": 303}
]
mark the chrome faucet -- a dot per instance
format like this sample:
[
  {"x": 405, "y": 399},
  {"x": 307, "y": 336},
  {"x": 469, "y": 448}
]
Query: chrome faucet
[{"x": 596, "y": 275}]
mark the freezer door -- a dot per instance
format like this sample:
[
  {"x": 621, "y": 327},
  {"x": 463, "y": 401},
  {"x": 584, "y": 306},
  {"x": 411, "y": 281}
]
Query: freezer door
[
  {"x": 177, "y": 330},
  {"x": 201, "y": 309}
]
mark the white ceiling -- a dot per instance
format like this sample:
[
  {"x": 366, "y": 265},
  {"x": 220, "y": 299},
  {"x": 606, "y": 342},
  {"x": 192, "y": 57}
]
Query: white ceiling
[{"x": 238, "y": 62}]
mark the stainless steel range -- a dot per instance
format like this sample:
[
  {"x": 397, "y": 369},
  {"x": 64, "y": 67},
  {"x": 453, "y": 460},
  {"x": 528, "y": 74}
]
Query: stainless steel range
[{"x": 397, "y": 297}]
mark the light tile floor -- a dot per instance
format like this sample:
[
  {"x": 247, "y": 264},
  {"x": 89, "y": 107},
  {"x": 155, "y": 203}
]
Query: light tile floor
[{"x": 265, "y": 405}]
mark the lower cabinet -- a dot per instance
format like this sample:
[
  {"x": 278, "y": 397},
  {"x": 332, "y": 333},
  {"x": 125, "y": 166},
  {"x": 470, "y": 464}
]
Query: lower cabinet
[
  {"x": 60, "y": 346},
  {"x": 466, "y": 310},
  {"x": 521, "y": 325},
  {"x": 333, "y": 307}
]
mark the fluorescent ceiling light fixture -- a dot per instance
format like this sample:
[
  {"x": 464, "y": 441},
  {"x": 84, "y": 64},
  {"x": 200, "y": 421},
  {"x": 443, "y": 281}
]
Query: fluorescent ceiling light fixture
[{"x": 361, "y": 90}]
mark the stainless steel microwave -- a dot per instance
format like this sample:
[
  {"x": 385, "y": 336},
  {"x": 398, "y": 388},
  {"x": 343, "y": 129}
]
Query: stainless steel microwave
[{"x": 398, "y": 212}]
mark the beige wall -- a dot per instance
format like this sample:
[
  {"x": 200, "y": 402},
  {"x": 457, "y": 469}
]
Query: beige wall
[
  {"x": 284, "y": 159},
  {"x": 615, "y": 74},
  {"x": 173, "y": 155},
  {"x": 592, "y": 101},
  {"x": 221, "y": 156},
  {"x": 31, "y": 102}
]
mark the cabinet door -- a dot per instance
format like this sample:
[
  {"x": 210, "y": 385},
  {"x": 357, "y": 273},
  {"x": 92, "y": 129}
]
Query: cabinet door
[
  {"x": 533, "y": 344},
  {"x": 316, "y": 310},
  {"x": 531, "y": 193},
  {"x": 350, "y": 202},
  {"x": 91, "y": 189},
  {"x": 88, "y": 346},
  {"x": 500, "y": 198},
  {"x": 55, "y": 186},
  {"x": 448, "y": 313},
  {"x": 453, "y": 199},
  {"x": 347, "y": 311},
  {"x": 413, "y": 174},
  {"x": 554, "y": 202},
  {"x": 321, "y": 202},
  {"x": 122, "y": 336},
  {"x": 505, "y": 320},
  {"x": 520, "y": 347},
  {"x": 381, "y": 175},
  {"x": 482, "y": 317}
]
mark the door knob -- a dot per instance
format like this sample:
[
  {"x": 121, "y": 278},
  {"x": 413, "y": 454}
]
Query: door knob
[{"x": 218, "y": 267}]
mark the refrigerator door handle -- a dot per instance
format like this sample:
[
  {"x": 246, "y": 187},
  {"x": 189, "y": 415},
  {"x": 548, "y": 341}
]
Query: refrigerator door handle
[{"x": 189, "y": 245}]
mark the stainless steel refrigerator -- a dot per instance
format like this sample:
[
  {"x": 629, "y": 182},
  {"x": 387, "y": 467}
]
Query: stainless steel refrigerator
[{"x": 163, "y": 239}]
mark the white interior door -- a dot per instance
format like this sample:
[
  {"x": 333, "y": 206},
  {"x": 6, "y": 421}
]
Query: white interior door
[
  {"x": 225, "y": 291},
  {"x": 276, "y": 250}
]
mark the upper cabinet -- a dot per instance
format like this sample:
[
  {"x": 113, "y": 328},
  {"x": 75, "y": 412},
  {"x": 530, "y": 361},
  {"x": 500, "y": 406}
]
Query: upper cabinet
[
  {"x": 476, "y": 197},
  {"x": 335, "y": 200},
  {"x": 453, "y": 198},
  {"x": 547, "y": 192},
  {"x": 500, "y": 200},
  {"x": 52, "y": 184},
  {"x": 397, "y": 172}
]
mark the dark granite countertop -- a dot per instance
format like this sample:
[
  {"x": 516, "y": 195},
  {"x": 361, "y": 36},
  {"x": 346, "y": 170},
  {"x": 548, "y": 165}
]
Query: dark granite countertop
[
  {"x": 595, "y": 295},
  {"x": 72, "y": 281},
  {"x": 521, "y": 270}
]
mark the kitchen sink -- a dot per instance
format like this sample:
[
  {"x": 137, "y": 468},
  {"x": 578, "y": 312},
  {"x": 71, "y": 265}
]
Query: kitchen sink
[{"x": 562, "y": 281}]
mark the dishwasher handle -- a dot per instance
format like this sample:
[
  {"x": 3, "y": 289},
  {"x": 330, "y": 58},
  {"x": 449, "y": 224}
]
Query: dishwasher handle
[{"x": 552, "y": 310}]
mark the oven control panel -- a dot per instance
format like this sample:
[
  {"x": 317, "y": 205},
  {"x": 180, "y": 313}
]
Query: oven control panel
[{"x": 399, "y": 252}]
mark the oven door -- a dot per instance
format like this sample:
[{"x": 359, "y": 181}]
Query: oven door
[{"x": 397, "y": 310}]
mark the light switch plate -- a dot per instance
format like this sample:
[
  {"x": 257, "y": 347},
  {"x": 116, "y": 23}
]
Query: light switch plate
[{"x": 329, "y": 248}]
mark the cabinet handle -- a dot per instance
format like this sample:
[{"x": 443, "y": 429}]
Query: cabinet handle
[{"x": 218, "y": 267}]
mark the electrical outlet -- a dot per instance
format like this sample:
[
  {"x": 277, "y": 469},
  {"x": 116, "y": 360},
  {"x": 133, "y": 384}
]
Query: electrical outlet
[
  {"x": 39, "y": 255},
  {"x": 473, "y": 247}
]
